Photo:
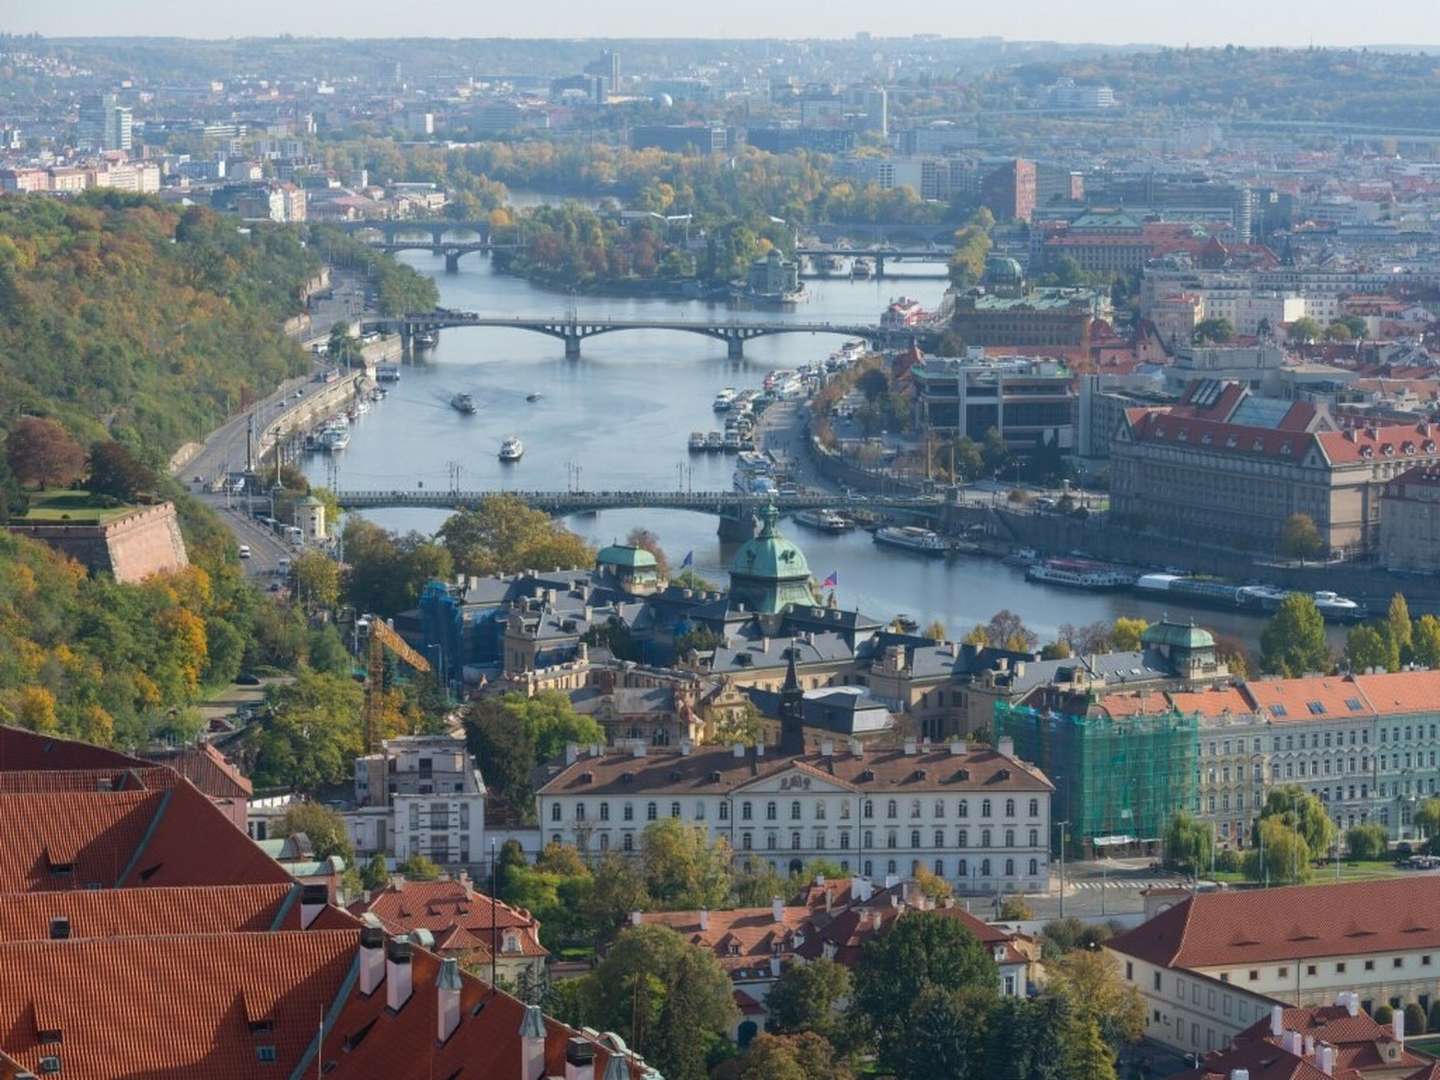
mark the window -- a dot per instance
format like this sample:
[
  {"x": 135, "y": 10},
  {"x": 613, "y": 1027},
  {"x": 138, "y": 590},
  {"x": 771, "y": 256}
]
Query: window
[
  {"x": 794, "y": 841},
  {"x": 1009, "y": 837},
  {"x": 1009, "y": 807},
  {"x": 745, "y": 811},
  {"x": 869, "y": 868},
  {"x": 745, "y": 841},
  {"x": 724, "y": 811},
  {"x": 579, "y": 811},
  {"x": 984, "y": 807},
  {"x": 700, "y": 810},
  {"x": 627, "y": 841},
  {"x": 1399, "y": 961},
  {"x": 1034, "y": 867},
  {"x": 914, "y": 808},
  {"x": 939, "y": 867},
  {"x": 984, "y": 867},
  {"x": 604, "y": 811},
  {"x": 1034, "y": 837},
  {"x": 264, "y": 1054},
  {"x": 1034, "y": 807},
  {"x": 1155, "y": 975},
  {"x": 892, "y": 809},
  {"x": 845, "y": 810},
  {"x": 1369, "y": 965},
  {"x": 795, "y": 810},
  {"x": 771, "y": 842},
  {"x": 844, "y": 839},
  {"x": 555, "y": 811},
  {"x": 1283, "y": 972},
  {"x": 964, "y": 838},
  {"x": 674, "y": 809},
  {"x": 819, "y": 811},
  {"x": 1009, "y": 867},
  {"x": 650, "y": 811},
  {"x": 1254, "y": 976},
  {"x": 964, "y": 868},
  {"x": 604, "y": 841},
  {"x": 914, "y": 838},
  {"x": 629, "y": 814},
  {"x": 869, "y": 839},
  {"x": 771, "y": 811},
  {"x": 984, "y": 837},
  {"x": 892, "y": 840},
  {"x": 962, "y": 809},
  {"x": 939, "y": 808},
  {"x": 869, "y": 808},
  {"x": 939, "y": 837}
]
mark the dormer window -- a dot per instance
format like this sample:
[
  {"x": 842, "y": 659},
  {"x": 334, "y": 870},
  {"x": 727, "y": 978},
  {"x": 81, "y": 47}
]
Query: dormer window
[
  {"x": 1258, "y": 445},
  {"x": 1183, "y": 435},
  {"x": 1387, "y": 449},
  {"x": 1206, "y": 439},
  {"x": 1366, "y": 451},
  {"x": 1286, "y": 449},
  {"x": 1231, "y": 442}
]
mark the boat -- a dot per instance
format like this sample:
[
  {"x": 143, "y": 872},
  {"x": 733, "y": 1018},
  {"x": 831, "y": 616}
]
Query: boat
[
  {"x": 512, "y": 449},
  {"x": 388, "y": 373},
  {"x": 724, "y": 399},
  {"x": 825, "y": 265},
  {"x": 1261, "y": 599},
  {"x": 697, "y": 442},
  {"x": 334, "y": 439},
  {"x": 425, "y": 339},
  {"x": 1337, "y": 608},
  {"x": 714, "y": 441},
  {"x": 463, "y": 403},
  {"x": 911, "y": 538},
  {"x": 824, "y": 520},
  {"x": 1021, "y": 557},
  {"x": 1081, "y": 574},
  {"x": 861, "y": 268},
  {"x": 532, "y": 398},
  {"x": 731, "y": 441}
]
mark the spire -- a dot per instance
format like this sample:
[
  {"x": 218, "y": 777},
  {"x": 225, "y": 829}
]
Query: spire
[
  {"x": 792, "y": 707},
  {"x": 769, "y": 519}
]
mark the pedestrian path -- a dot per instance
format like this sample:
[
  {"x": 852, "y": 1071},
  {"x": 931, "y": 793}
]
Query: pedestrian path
[{"x": 1129, "y": 884}]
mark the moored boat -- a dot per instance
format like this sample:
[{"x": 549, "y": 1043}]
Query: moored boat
[
  {"x": 1081, "y": 574},
  {"x": 825, "y": 520},
  {"x": 911, "y": 538}
]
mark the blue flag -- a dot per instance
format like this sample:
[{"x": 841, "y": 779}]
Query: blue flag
[{"x": 689, "y": 560}]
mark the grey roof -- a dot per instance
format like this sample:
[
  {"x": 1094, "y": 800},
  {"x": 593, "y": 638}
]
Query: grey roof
[
  {"x": 628, "y": 700},
  {"x": 761, "y": 652},
  {"x": 844, "y": 710},
  {"x": 1115, "y": 668}
]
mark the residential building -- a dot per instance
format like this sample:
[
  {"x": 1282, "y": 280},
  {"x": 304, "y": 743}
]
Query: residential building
[
  {"x": 784, "y": 140},
  {"x": 680, "y": 138},
  {"x": 1299, "y": 946},
  {"x": 1410, "y": 521},
  {"x": 430, "y": 797},
  {"x": 23, "y": 180},
  {"x": 1008, "y": 192},
  {"x": 1031, "y": 402}
]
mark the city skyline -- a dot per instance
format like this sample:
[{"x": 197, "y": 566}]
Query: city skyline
[{"x": 1114, "y": 22}]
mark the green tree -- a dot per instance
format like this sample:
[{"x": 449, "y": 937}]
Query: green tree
[
  {"x": 1305, "y": 330},
  {"x": 1188, "y": 843},
  {"x": 1280, "y": 857},
  {"x": 802, "y": 1056},
  {"x": 618, "y": 890},
  {"x": 1214, "y": 330},
  {"x": 993, "y": 451},
  {"x": 317, "y": 580},
  {"x": 1091, "y": 981},
  {"x": 1293, "y": 641},
  {"x": 923, "y": 949},
  {"x": 503, "y": 535},
  {"x": 118, "y": 473},
  {"x": 1414, "y": 1020},
  {"x": 1427, "y": 817},
  {"x": 551, "y": 722},
  {"x": 807, "y": 997},
  {"x": 756, "y": 884},
  {"x": 420, "y": 867},
  {"x": 1125, "y": 634},
  {"x": 322, "y": 826},
  {"x": 1303, "y": 812},
  {"x": 1366, "y": 649},
  {"x": 1400, "y": 631},
  {"x": 376, "y": 874},
  {"x": 1383, "y": 1015},
  {"x": 684, "y": 867},
  {"x": 313, "y": 734},
  {"x": 510, "y": 859},
  {"x": 41, "y": 453},
  {"x": 945, "y": 1035},
  {"x": 1013, "y": 908},
  {"x": 1367, "y": 842},
  {"x": 497, "y": 737},
  {"x": 1425, "y": 642},
  {"x": 1299, "y": 538},
  {"x": 1089, "y": 1057}
]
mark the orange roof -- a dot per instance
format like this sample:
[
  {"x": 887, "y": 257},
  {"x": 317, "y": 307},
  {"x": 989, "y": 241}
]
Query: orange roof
[
  {"x": 104, "y": 913},
  {"x": 1393, "y": 442},
  {"x": 742, "y": 939},
  {"x": 1401, "y": 691},
  {"x": 24, "y": 749},
  {"x": 1217, "y": 701},
  {"x": 1288, "y": 700}
]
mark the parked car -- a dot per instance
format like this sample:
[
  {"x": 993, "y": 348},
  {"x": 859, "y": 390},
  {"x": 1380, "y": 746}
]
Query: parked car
[{"x": 247, "y": 679}]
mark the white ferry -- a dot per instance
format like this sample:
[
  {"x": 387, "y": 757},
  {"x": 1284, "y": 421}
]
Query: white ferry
[
  {"x": 824, "y": 520},
  {"x": 724, "y": 399},
  {"x": 512, "y": 449},
  {"x": 697, "y": 442},
  {"x": 1081, "y": 574},
  {"x": 912, "y": 538}
]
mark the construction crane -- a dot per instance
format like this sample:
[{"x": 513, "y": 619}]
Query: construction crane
[{"x": 382, "y": 637}]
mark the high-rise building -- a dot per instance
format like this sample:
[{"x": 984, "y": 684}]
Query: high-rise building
[
  {"x": 104, "y": 124},
  {"x": 1009, "y": 191},
  {"x": 877, "y": 111}
]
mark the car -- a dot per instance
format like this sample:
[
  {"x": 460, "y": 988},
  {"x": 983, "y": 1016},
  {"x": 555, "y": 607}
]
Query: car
[
  {"x": 244, "y": 551},
  {"x": 246, "y": 679},
  {"x": 275, "y": 586}
]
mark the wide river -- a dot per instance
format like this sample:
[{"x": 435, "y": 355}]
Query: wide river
[{"x": 619, "y": 417}]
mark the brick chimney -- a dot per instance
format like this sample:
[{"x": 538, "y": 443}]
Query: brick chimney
[
  {"x": 532, "y": 1044},
  {"x": 579, "y": 1059},
  {"x": 372, "y": 959},
  {"x": 397, "y": 974},
  {"x": 447, "y": 989},
  {"x": 704, "y": 919}
]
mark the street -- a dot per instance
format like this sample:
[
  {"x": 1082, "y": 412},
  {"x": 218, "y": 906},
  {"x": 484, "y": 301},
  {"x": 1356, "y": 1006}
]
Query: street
[{"x": 1096, "y": 890}]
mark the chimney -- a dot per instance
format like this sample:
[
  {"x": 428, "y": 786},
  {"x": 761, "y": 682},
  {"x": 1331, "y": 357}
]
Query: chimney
[
  {"x": 579, "y": 1059},
  {"x": 447, "y": 990},
  {"x": 876, "y": 920},
  {"x": 759, "y": 749},
  {"x": 777, "y": 909},
  {"x": 738, "y": 749},
  {"x": 617, "y": 1068},
  {"x": 635, "y": 918},
  {"x": 957, "y": 747},
  {"x": 909, "y": 747},
  {"x": 1019, "y": 669},
  {"x": 1309, "y": 1045},
  {"x": 572, "y": 753},
  {"x": 1325, "y": 1059},
  {"x": 860, "y": 888},
  {"x": 1352, "y": 1003},
  {"x": 829, "y": 900},
  {"x": 1006, "y": 746},
  {"x": 532, "y": 1044},
  {"x": 827, "y": 747},
  {"x": 857, "y": 748},
  {"x": 775, "y": 966},
  {"x": 372, "y": 959},
  {"x": 1239, "y": 1074},
  {"x": 313, "y": 899},
  {"x": 397, "y": 974},
  {"x": 59, "y": 928},
  {"x": 1293, "y": 1043},
  {"x": 764, "y": 644},
  {"x": 891, "y": 881},
  {"x": 704, "y": 919},
  {"x": 1397, "y": 1025}
]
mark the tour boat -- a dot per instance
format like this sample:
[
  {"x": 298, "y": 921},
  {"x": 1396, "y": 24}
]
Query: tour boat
[
  {"x": 463, "y": 403},
  {"x": 697, "y": 442},
  {"x": 860, "y": 268},
  {"x": 334, "y": 438},
  {"x": 730, "y": 441},
  {"x": 724, "y": 399},
  {"x": 714, "y": 441},
  {"x": 1081, "y": 574},
  {"x": 512, "y": 449},
  {"x": 1337, "y": 608},
  {"x": 823, "y": 520},
  {"x": 912, "y": 538}
]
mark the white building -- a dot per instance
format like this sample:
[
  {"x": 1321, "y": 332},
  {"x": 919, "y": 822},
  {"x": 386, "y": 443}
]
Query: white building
[{"x": 422, "y": 795}]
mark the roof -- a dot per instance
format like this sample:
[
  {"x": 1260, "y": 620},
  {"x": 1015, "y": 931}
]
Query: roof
[
  {"x": 636, "y": 558},
  {"x": 716, "y": 770},
  {"x": 207, "y": 768},
  {"x": 769, "y": 555},
  {"x": 1306, "y": 698},
  {"x": 104, "y": 913},
  {"x": 443, "y": 906},
  {"x": 1181, "y": 635},
  {"x": 1400, "y": 691},
  {"x": 23, "y": 749},
  {"x": 1394, "y": 441},
  {"x": 1222, "y": 929}
]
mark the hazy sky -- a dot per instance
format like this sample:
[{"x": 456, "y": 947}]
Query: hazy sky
[{"x": 1216, "y": 22}]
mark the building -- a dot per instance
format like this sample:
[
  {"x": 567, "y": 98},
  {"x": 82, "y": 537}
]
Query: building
[
  {"x": 977, "y": 817},
  {"x": 1410, "y": 521},
  {"x": 1299, "y": 946},
  {"x": 768, "y": 571},
  {"x": 1009, "y": 191},
  {"x": 24, "y": 180},
  {"x": 680, "y": 138},
  {"x": 785, "y": 140},
  {"x": 464, "y": 923},
  {"x": 774, "y": 278},
  {"x": 1030, "y": 402},
  {"x": 1236, "y": 467},
  {"x": 104, "y": 124},
  {"x": 130, "y": 543},
  {"x": 421, "y": 795},
  {"x": 1052, "y": 318}
]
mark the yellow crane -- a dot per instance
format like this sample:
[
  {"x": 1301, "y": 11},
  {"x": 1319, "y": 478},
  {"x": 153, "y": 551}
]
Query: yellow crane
[{"x": 382, "y": 637}]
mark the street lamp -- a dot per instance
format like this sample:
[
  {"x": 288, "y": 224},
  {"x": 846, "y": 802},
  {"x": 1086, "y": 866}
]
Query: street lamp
[{"x": 1061, "y": 825}]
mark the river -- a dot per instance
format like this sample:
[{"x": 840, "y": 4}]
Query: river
[{"x": 619, "y": 418}]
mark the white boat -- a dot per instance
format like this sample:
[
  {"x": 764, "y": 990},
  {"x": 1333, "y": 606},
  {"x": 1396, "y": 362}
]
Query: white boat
[
  {"x": 334, "y": 439},
  {"x": 724, "y": 399},
  {"x": 1337, "y": 608},
  {"x": 512, "y": 449},
  {"x": 1081, "y": 574},
  {"x": 1021, "y": 557},
  {"x": 714, "y": 441},
  {"x": 697, "y": 442},
  {"x": 861, "y": 268},
  {"x": 823, "y": 520},
  {"x": 912, "y": 538},
  {"x": 463, "y": 403},
  {"x": 731, "y": 441}
]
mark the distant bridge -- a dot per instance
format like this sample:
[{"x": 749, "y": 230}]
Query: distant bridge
[
  {"x": 451, "y": 249},
  {"x": 573, "y": 328},
  {"x": 725, "y": 503}
]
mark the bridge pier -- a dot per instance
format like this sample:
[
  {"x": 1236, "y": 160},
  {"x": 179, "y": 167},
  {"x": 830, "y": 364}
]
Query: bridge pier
[
  {"x": 879, "y": 265},
  {"x": 735, "y": 348},
  {"x": 452, "y": 262},
  {"x": 736, "y": 527},
  {"x": 572, "y": 346},
  {"x": 407, "y": 342}
]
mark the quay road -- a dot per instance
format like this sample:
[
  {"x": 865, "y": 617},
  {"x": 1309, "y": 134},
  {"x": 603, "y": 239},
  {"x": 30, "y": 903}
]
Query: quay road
[{"x": 727, "y": 503}]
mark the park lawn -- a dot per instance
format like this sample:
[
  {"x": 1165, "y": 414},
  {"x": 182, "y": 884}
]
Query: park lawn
[
  {"x": 1426, "y": 1044},
  {"x": 70, "y": 506},
  {"x": 1360, "y": 870}
]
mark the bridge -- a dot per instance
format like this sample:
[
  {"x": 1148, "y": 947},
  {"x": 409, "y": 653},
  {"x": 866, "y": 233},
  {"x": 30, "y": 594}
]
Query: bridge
[
  {"x": 573, "y": 328},
  {"x": 451, "y": 249},
  {"x": 723, "y": 503}
]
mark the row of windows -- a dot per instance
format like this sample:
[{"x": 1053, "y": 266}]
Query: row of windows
[
  {"x": 1397, "y": 963},
  {"x": 772, "y": 810},
  {"x": 892, "y": 839}
]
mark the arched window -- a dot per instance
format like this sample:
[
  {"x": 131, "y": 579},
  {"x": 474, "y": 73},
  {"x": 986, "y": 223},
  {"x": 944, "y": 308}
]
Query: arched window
[
  {"x": 964, "y": 869},
  {"x": 891, "y": 809},
  {"x": 745, "y": 841},
  {"x": 939, "y": 837},
  {"x": 1034, "y": 837},
  {"x": 771, "y": 842},
  {"x": 892, "y": 840},
  {"x": 650, "y": 811},
  {"x": 869, "y": 839},
  {"x": 1034, "y": 807},
  {"x": 1009, "y": 837},
  {"x": 604, "y": 841},
  {"x": 962, "y": 808},
  {"x": 869, "y": 807},
  {"x": 984, "y": 807},
  {"x": 984, "y": 867},
  {"x": 984, "y": 837},
  {"x": 628, "y": 842},
  {"x": 746, "y": 811},
  {"x": 914, "y": 838},
  {"x": 1009, "y": 867},
  {"x": 1009, "y": 807},
  {"x": 869, "y": 868},
  {"x": 939, "y": 867},
  {"x": 770, "y": 811},
  {"x": 964, "y": 838},
  {"x": 1034, "y": 867},
  {"x": 890, "y": 867},
  {"x": 796, "y": 866},
  {"x": 794, "y": 841}
]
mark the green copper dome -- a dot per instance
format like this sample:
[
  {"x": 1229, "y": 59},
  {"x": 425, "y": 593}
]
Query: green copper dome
[{"x": 769, "y": 571}]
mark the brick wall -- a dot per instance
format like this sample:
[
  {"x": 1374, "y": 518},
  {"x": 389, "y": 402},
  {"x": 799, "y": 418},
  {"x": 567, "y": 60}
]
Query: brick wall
[{"x": 144, "y": 542}]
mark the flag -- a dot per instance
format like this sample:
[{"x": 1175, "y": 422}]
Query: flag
[
  {"x": 831, "y": 581},
  {"x": 689, "y": 560}
]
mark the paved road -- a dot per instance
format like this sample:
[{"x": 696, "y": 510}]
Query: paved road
[
  {"x": 783, "y": 431},
  {"x": 266, "y": 549}
]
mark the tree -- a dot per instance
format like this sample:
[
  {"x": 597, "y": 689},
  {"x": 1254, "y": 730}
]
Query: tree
[
  {"x": 1098, "y": 995},
  {"x": 1425, "y": 641},
  {"x": 552, "y": 723},
  {"x": 1089, "y": 1057},
  {"x": 757, "y": 884},
  {"x": 116, "y": 472},
  {"x": 993, "y": 451},
  {"x": 922, "y": 949},
  {"x": 340, "y": 347},
  {"x": 1366, "y": 649},
  {"x": 1006, "y": 630},
  {"x": 932, "y": 886},
  {"x": 1305, "y": 330},
  {"x": 1299, "y": 538},
  {"x": 1188, "y": 843},
  {"x": 1414, "y": 1020},
  {"x": 1280, "y": 857},
  {"x": 376, "y": 874},
  {"x": 1367, "y": 842},
  {"x": 40, "y": 452},
  {"x": 1293, "y": 641},
  {"x": 1383, "y": 1014},
  {"x": 1055, "y": 650},
  {"x": 1217, "y": 330},
  {"x": 936, "y": 631},
  {"x": 497, "y": 737},
  {"x": 322, "y": 826},
  {"x": 945, "y": 1035},
  {"x": 503, "y": 535},
  {"x": 807, "y": 996},
  {"x": 873, "y": 383},
  {"x": 317, "y": 580},
  {"x": 313, "y": 734},
  {"x": 684, "y": 868},
  {"x": 510, "y": 859},
  {"x": 1125, "y": 634},
  {"x": 647, "y": 541},
  {"x": 618, "y": 888},
  {"x": 420, "y": 867},
  {"x": 1305, "y": 813},
  {"x": 1427, "y": 817},
  {"x": 803, "y": 1056},
  {"x": 668, "y": 999},
  {"x": 744, "y": 725},
  {"x": 1400, "y": 631},
  {"x": 1013, "y": 909},
  {"x": 1433, "y": 1019}
]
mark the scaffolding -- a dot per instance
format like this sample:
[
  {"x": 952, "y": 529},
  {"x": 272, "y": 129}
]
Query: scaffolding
[{"x": 1118, "y": 780}]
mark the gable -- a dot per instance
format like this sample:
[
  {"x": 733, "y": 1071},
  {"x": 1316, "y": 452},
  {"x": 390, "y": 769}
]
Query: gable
[{"x": 795, "y": 781}]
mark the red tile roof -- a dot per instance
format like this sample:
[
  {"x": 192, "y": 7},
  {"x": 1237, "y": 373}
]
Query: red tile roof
[
  {"x": 1394, "y": 442},
  {"x": 1401, "y": 691},
  {"x": 1289, "y": 700},
  {"x": 23, "y": 749},
  {"x": 445, "y": 906},
  {"x": 1223, "y": 929},
  {"x": 104, "y": 913},
  {"x": 207, "y": 768}
]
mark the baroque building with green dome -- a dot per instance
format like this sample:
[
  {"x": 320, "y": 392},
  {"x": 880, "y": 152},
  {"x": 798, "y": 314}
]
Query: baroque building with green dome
[{"x": 769, "y": 571}]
